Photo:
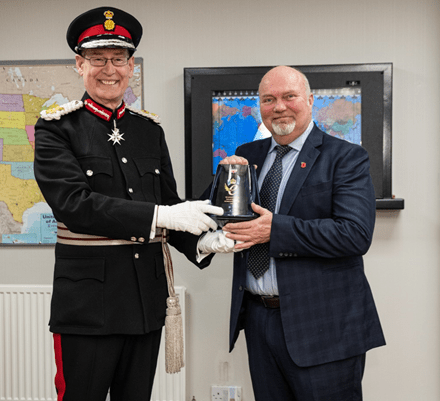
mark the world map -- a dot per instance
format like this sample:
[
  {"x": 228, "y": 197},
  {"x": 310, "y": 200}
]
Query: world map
[
  {"x": 338, "y": 113},
  {"x": 27, "y": 88},
  {"x": 236, "y": 118}
]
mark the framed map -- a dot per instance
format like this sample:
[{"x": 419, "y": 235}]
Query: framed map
[
  {"x": 236, "y": 118},
  {"x": 26, "y": 88},
  {"x": 352, "y": 102}
]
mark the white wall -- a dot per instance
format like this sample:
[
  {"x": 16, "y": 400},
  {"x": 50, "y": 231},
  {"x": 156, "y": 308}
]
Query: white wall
[{"x": 403, "y": 262}]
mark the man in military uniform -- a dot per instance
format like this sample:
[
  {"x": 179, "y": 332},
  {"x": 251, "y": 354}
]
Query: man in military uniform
[{"x": 105, "y": 171}]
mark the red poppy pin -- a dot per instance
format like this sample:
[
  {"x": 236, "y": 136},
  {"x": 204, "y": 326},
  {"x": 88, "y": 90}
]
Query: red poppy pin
[{"x": 303, "y": 164}]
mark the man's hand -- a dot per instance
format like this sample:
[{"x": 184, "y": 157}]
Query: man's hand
[
  {"x": 249, "y": 233},
  {"x": 188, "y": 216},
  {"x": 234, "y": 160}
]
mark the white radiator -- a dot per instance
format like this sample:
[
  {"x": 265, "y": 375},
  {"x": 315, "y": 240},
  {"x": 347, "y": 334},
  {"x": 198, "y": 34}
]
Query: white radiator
[{"x": 27, "y": 366}]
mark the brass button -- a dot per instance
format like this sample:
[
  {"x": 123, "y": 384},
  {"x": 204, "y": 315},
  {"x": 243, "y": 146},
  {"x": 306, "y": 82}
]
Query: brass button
[
  {"x": 157, "y": 171},
  {"x": 124, "y": 160},
  {"x": 89, "y": 173},
  {"x": 141, "y": 239},
  {"x": 130, "y": 190},
  {"x": 134, "y": 239},
  {"x": 136, "y": 256}
]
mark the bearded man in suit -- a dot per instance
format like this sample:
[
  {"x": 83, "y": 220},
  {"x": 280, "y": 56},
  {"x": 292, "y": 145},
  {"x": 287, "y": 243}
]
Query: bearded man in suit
[{"x": 299, "y": 288}]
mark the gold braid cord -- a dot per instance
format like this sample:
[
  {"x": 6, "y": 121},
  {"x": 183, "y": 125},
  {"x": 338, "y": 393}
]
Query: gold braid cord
[{"x": 173, "y": 320}]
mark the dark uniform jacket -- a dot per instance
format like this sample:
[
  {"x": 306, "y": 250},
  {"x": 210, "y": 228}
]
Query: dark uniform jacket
[
  {"x": 324, "y": 226},
  {"x": 98, "y": 186}
]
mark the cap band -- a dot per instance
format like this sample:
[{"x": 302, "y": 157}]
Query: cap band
[{"x": 99, "y": 30}]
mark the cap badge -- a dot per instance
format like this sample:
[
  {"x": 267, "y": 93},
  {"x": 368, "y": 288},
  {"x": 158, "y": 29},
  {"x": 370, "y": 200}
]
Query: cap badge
[{"x": 109, "y": 25}]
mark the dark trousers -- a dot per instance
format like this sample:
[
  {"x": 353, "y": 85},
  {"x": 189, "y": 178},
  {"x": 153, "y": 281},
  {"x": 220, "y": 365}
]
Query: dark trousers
[
  {"x": 275, "y": 377},
  {"x": 88, "y": 366}
]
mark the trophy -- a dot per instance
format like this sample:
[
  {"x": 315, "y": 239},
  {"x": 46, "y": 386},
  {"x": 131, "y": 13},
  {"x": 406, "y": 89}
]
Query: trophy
[{"x": 234, "y": 188}]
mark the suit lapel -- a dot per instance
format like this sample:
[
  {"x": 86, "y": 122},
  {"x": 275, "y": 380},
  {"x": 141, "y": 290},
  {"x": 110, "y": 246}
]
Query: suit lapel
[
  {"x": 306, "y": 158},
  {"x": 259, "y": 153}
]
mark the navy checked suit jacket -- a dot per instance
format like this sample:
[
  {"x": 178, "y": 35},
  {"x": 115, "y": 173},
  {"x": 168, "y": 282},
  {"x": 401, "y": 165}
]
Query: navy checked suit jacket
[{"x": 324, "y": 226}]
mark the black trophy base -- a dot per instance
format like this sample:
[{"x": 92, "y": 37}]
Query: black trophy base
[{"x": 223, "y": 220}]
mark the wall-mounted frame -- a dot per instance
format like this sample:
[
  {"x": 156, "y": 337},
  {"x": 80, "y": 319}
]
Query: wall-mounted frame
[{"x": 374, "y": 81}]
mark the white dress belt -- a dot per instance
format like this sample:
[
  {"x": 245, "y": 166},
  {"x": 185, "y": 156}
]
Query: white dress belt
[{"x": 67, "y": 237}]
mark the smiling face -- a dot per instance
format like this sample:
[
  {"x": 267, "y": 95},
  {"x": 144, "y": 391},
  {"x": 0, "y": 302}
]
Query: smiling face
[
  {"x": 105, "y": 85},
  {"x": 285, "y": 103}
]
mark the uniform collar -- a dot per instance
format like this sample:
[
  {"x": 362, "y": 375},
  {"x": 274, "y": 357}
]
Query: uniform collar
[{"x": 102, "y": 111}]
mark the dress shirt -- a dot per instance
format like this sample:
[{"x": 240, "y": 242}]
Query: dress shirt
[{"x": 267, "y": 284}]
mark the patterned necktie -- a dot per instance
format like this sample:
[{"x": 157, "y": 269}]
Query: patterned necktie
[{"x": 258, "y": 262}]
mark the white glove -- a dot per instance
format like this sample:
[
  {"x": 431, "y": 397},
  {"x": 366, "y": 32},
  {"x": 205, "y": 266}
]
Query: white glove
[
  {"x": 188, "y": 216},
  {"x": 215, "y": 242}
]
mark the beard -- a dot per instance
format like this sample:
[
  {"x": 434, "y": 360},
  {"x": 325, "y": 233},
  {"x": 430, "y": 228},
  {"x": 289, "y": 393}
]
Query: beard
[{"x": 283, "y": 129}]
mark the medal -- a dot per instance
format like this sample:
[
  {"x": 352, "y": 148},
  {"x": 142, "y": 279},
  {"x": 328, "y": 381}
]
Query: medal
[{"x": 116, "y": 136}]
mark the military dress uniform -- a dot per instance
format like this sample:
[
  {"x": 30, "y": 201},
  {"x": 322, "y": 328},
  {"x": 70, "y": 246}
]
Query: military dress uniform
[
  {"x": 102, "y": 172},
  {"x": 106, "y": 173}
]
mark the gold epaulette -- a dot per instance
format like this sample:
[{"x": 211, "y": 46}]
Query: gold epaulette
[
  {"x": 55, "y": 113},
  {"x": 145, "y": 113}
]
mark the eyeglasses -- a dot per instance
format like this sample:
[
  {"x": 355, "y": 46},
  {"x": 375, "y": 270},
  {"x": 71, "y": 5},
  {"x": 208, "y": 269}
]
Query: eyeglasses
[{"x": 102, "y": 61}]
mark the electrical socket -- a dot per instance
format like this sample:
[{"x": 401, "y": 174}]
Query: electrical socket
[
  {"x": 219, "y": 393},
  {"x": 226, "y": 393}
]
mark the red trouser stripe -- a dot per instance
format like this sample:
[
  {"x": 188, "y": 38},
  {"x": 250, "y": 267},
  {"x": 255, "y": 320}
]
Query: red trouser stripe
[{"x": 60, "y": 383}]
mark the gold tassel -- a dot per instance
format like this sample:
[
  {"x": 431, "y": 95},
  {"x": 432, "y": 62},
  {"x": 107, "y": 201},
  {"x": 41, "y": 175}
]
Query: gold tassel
[{"x": 174, "y": 358}]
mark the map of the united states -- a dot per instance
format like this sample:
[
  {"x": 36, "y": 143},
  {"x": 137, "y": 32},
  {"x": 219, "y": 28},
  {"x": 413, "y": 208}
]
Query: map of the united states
[{"x": 25, "y": 90}]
